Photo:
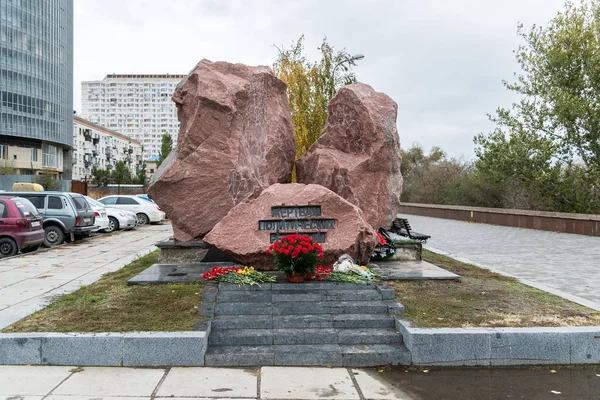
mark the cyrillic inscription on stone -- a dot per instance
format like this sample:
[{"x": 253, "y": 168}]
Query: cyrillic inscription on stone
[
  {"x": 297, "y": 219},
  {"x": 296, "y": 224},
  {"x": 296, "y": 211}
]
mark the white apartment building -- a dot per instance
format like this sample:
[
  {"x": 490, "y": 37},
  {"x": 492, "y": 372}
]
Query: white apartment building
[
  {"x": 138, "y": 106},
  {"x": 96, "y": 146}
]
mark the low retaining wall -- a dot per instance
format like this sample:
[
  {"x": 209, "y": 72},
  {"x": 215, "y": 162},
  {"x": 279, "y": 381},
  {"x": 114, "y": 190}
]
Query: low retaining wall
[
  {"x": 582, "y": 224},
  {"x": 97, "y": 192},
  {"x": 501, "y": 346},
  {"x": 130, "y": 349}
]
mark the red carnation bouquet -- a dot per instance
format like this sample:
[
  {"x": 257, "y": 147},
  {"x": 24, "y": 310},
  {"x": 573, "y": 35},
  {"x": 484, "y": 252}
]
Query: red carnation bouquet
[{"x": 295, "y": 254}]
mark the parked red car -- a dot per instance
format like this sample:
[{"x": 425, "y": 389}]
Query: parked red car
[{"x": 21, "y": 226}]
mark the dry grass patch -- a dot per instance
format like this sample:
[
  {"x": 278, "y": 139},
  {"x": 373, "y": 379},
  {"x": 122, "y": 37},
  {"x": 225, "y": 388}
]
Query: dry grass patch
[
  {"x": 483, "y": 298},
  {"x": 110, "y": 305}
]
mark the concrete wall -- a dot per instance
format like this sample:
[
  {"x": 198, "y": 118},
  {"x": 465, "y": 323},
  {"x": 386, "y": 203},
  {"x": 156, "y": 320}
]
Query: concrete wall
[
  {"x": 6, "y": 182},
  {"x": 583, "y": 224},
  {"x": 96, "y": 192}
]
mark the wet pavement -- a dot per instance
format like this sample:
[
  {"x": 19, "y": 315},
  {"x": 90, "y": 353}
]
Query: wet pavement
[
  {"x": 492, "y": 384},
  {"x": 293, "y": 383}
]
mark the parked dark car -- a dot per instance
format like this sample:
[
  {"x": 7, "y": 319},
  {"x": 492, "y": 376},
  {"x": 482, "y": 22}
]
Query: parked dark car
[
  {"x": 21, "y": 226},
  {"x": 64, "y": 214}
]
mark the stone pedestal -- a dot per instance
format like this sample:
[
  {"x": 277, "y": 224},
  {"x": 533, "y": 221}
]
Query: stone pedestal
[{"x": 178, "y": 252}]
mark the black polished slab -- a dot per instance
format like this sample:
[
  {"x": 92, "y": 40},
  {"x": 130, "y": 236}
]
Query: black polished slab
[{"x": 176, "y": 273}]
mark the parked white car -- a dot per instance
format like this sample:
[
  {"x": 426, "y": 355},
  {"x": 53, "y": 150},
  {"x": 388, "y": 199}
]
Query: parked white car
[
  {"x": 146, "y": 211},
  {"x": 117, "y": 218},
  {"x": 101, "y": 219}
]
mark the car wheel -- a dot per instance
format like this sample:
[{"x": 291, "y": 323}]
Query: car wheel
[
  {"x": 142, "y": 219},
  {"x": 53, "y": 236},
  {"x": 113, "y": 225},
  {"x": 8, "y": 247},
  {"x": 30, "y": 249}
]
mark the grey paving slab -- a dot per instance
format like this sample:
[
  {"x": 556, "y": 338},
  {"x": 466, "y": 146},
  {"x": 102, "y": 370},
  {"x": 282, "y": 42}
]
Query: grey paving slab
[
  {"x": 306, "y": 383},
  {"x": 101, "y": 381},
  {"x": 30, "y": 381},
  {"x": 375, "y": 388},
  {"x": 210, "y": 382},
  {"x": 28, "y": 282},
  {"x": 566, "y": 264},
  {"x": 410, "y": 270}
]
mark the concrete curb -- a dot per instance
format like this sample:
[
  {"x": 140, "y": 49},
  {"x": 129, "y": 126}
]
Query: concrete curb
[
  {"x": 501, "y": 346},
  {"x": 131, "y": 349}
]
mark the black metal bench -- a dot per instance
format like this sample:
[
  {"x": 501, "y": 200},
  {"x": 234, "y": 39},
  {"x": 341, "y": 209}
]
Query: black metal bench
[{"x": 401, "y": 226}]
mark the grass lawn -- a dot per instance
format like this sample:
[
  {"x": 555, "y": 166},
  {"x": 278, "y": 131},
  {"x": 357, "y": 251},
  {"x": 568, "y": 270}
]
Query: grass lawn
[
  {"x": 109, "y": 305},
  {"x": 484, "y": 299}
]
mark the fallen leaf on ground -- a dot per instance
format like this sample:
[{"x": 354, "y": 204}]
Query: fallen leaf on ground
[
  {"x": 555, "y": 392},
  {"x": 381, "y": 370},
  {"x": 552, "y": 371},
  {"x": 75, "y": 370}
]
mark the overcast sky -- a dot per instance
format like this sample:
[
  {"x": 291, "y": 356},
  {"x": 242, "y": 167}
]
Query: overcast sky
[{"x": 442, "y": 61}]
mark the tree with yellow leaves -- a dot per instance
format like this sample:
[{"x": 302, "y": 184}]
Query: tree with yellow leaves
[{"x": 311, "y": 85}]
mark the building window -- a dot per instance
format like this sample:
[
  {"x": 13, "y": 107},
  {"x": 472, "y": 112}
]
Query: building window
[
  {"x": 4, "y": 151},
  {"x": 34, "y": 156},
  {"x": 49, "y": 155}
]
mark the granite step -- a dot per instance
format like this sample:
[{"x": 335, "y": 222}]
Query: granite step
[
  {"x": 306, "y": 307},
  {"x": 333, "y": 355},
  {"x": 302, "y": 321},
  {"x": 294, "y": 287},
  {"x": 307, "y": 336},
  {"x": 298, "y": 295}
]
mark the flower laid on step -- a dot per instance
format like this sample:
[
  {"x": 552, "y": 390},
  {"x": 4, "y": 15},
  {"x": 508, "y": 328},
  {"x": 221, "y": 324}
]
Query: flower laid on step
[
  {"x": 296, "y": 255},
  {"x": 346, "y": 270},
  {"x": 236, "y": 275}
]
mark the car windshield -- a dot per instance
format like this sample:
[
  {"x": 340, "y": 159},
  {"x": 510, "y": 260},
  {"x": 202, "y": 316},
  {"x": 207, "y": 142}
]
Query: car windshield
[
  {"x": 25, "y": 207},
  {"x": 80, "y": 203}
]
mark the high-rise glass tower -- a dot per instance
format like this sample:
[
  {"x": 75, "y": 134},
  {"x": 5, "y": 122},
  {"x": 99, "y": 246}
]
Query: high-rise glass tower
[{"x": 36, "y": 86}]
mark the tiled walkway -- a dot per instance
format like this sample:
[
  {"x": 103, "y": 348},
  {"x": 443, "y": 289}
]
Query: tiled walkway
[
  {"x": 27, "y": 282},
  {"x": 60, "y": 383},
  {"x": 562, "y": 263}
]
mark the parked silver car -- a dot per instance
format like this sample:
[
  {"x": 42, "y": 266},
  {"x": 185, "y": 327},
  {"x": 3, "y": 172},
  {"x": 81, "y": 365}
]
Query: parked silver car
[
  {"x": 64, "y": 214},
  {"x": 117, "y": 218}
]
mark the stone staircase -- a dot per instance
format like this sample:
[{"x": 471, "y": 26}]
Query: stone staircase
[{"x": 314, "y": 323}]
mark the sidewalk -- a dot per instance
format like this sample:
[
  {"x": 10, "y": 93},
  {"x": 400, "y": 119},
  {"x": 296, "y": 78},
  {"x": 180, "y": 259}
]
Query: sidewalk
[
  {"x": 59, "y": 383},
  {"x": 28, "y": 282},
  {"x": 560, "y": 263},
  {"x": 270, "y": 383}
]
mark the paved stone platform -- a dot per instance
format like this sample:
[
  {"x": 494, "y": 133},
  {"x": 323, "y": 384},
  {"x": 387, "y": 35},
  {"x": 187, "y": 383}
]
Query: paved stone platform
[
  {"x": 565, "y": 264},
  {"x": 388, "y": 270},
  {"x": 175, "y": 273}
]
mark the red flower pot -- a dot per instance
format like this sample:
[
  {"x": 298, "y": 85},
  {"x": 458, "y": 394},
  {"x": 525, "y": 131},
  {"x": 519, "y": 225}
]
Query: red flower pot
[{"x": 295, "y": 278}]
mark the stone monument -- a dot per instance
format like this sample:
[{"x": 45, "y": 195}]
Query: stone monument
[
  {"x": 236, "y": 139},
  {"x": 358, "y": 155}
]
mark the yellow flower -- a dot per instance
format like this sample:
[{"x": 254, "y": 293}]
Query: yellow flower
[{"x": 364, "y": 267}]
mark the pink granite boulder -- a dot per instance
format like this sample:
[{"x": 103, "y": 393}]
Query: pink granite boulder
[
  {"x": 236, "y": 139},
  {"x": 245, "y": 233},
  {"x": 358, "y": 155}
]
